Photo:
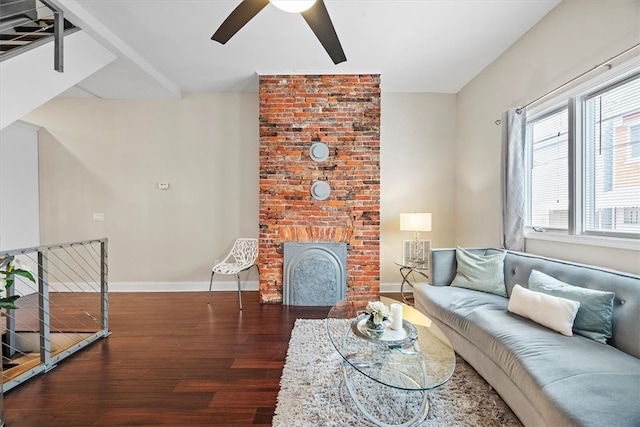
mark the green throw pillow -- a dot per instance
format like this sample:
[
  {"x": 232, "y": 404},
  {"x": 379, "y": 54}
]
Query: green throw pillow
[
  {"x": 480, "y": 272},
  {"x": 596, "y": 307}
]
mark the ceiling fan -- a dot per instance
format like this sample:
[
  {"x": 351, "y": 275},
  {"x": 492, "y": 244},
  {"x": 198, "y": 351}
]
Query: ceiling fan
[{"x": 313, "y": 11}]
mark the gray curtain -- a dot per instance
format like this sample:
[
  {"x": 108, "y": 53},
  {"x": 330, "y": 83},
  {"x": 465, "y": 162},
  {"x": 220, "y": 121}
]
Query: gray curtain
[{"x": 513, "y": 175}]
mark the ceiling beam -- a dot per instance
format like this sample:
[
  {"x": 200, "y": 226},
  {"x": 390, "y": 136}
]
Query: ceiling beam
[{"x": 80, "y": 17}]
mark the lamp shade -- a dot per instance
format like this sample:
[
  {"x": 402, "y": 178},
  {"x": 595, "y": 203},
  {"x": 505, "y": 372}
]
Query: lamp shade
[
  {"x": 293, "y": 6},
  {"x": 415, "y": 222}
]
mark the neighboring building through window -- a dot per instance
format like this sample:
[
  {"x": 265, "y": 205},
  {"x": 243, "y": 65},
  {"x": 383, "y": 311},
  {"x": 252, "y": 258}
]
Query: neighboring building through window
[
  {"x": 631, "y": 215},
  {"x": 634, "y": 132}
]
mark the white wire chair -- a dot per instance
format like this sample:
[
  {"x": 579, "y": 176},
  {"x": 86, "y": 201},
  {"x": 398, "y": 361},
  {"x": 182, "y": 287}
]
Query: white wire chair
[{"x": 242, "y": 257}]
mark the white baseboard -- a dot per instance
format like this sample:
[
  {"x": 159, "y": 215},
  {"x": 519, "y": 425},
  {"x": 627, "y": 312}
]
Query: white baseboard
[
  {"x": 390, "y": 287},
  {"x": 250, "y": 285}
]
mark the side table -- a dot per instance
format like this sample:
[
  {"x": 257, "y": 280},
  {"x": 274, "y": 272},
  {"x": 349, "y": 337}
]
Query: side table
[{"x": 408, "y": 270}]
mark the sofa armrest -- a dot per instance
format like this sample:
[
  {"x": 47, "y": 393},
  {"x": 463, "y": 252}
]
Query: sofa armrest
[{"x": 443, "y": 266}]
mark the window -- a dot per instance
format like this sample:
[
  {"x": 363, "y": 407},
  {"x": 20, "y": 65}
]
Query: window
[
  {"x": 548, "y": 159},
  {"x": 584, "y": 163},
  {"x": 631, "y": 216},
  {"x": 612, "y": 176}
]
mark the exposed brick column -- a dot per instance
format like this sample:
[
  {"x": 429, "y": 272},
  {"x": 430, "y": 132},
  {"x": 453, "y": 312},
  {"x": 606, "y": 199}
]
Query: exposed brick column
[{"x": 343, "y": 111}]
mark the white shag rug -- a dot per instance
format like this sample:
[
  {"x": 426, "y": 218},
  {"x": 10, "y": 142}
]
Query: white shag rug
[{"x": 313, "y": 393}]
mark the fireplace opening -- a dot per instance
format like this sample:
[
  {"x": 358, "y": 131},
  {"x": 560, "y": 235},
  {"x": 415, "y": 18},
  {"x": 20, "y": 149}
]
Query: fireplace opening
[{"x": 315, "y": 273}]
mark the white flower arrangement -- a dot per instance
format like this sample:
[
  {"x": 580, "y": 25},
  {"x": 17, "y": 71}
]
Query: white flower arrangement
[{"x": 378, "y": 311}]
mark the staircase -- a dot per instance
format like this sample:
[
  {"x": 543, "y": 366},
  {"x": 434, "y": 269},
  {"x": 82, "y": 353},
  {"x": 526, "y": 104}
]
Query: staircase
[
  {"x": 33, "y": 38},
  {"x": 25, "y": 24},
  {"x": 24, "y": 34}
]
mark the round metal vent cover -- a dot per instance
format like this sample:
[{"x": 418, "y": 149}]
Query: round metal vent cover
[
  {"x": 320, "y": 190},
  {"x": 319, "y": 152}
]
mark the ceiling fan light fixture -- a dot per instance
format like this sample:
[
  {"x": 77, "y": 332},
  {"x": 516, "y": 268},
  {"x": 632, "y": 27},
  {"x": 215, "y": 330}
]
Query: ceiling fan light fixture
[{"x": 293, "y": 6}]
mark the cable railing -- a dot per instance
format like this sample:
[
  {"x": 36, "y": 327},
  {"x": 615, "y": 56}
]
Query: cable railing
[{"x": 62, "y": 306}]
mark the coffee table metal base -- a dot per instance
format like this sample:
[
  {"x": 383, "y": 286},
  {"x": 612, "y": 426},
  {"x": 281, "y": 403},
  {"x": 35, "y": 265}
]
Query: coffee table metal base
[{"x": 420, "y": 415}]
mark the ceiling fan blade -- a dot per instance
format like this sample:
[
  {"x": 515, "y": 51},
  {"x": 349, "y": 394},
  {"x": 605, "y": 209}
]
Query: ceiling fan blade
[
  {"x": 236, "y": 20},
  {"x": 318, "y": 19}
]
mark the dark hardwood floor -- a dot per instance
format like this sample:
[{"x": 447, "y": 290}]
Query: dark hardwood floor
[{"x": 171, "y": 360}]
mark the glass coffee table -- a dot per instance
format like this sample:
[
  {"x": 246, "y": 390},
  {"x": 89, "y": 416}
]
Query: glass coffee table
[{"x": 414, "y": 359}]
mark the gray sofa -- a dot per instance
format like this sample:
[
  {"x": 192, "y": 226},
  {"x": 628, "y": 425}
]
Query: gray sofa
[{"x": 547, "y": 379}]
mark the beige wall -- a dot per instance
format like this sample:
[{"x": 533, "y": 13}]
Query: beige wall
[
  {"x": 572, "y": 38},
  {"x": 106, "y": 157},
  {"x": 19, "y": 213},
  {"x": 417, "y": 171},
  {"x": 100, "y": 156}
]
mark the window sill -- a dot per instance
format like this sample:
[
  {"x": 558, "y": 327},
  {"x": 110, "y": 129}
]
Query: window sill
[{"x": 607, "y": 242}]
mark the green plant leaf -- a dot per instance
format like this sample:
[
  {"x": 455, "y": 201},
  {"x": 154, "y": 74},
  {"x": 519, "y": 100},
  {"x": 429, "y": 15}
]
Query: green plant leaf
[
  {"x": 9, "y": 302},
  {"x": 25, "y": 273}
]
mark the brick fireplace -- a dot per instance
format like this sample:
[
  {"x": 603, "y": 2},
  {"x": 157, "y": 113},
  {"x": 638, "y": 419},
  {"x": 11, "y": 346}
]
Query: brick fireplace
[{"x": 343, "y": 112}]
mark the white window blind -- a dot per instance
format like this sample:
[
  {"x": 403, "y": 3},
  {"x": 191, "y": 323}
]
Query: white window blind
[
  {"x": 548, "y": 158},
  {"x": 612, "y": 159}
]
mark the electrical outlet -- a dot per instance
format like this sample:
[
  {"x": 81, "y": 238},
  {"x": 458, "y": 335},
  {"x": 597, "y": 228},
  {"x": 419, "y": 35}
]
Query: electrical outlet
[
  {"x": 98, "y": 216},
  {"x": 163, "y": 186}
]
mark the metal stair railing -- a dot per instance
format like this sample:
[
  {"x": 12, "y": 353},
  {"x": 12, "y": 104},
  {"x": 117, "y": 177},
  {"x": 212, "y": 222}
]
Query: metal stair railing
[
  {"x": 27, "y": 24},
  {"x": 62, "y": 312}
]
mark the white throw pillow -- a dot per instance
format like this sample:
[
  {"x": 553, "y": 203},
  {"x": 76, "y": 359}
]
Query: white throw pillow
[{"x": 552, "y": 312}]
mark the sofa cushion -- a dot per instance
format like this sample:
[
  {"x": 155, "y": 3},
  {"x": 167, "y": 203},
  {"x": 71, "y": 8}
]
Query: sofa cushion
[
  {"x": 480, "y": 272},
  {"x": 596, "y": 399},
  {"x": 453, "y": 305},
  {"x": 596, "y": 307},
  {"x": 547, "y": 310}
]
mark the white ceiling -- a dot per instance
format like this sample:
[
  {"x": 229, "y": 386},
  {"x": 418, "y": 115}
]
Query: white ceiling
[{"x": 165, "y": 47}]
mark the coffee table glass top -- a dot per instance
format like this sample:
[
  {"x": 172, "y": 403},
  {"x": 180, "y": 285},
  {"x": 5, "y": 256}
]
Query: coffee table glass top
[{"x": 417, "y": 358}]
